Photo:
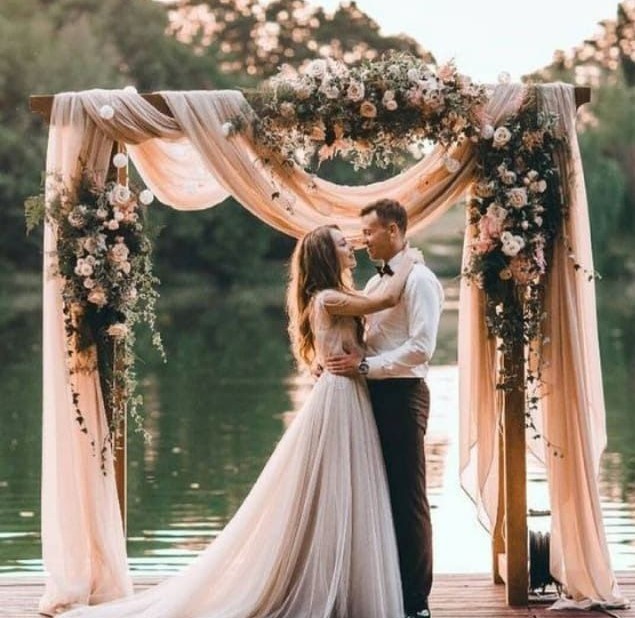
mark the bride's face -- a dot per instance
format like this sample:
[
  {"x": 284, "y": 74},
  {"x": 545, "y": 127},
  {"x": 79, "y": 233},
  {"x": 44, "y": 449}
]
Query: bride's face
[{"x": 344, "y": 250}]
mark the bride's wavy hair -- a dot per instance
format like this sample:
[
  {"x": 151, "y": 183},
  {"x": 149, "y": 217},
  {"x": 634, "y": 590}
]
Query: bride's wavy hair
[{"x": 315, "y": 266}]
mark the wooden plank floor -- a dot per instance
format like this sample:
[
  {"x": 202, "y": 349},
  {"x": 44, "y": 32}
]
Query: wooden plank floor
[{"x": 454, "y": 596}]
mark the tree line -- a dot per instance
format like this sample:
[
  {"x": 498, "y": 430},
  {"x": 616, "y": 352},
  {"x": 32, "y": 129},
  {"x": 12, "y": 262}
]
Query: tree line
[{"x": 49, "y": 46}]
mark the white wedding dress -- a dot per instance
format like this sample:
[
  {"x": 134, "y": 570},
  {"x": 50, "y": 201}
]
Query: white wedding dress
[{"x": 314, "y": 538}]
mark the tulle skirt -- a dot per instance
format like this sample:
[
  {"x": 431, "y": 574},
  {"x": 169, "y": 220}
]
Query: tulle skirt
[{"x": 313, "y": 539}]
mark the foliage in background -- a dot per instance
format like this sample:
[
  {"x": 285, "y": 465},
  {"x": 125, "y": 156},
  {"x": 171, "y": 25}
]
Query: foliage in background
[{"x": 606, "y": 63}]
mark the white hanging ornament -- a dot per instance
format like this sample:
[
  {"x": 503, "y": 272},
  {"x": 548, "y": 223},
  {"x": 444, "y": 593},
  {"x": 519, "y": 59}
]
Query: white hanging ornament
[
  {"x": 451, "y": 164},
  {"x": 120, "y": 160},
  {"x": 227, "y": 129},
  {"x": 106, "y": 112},
  {"x": 146, "y": 197},
  {"x": 504, "y": 77}
]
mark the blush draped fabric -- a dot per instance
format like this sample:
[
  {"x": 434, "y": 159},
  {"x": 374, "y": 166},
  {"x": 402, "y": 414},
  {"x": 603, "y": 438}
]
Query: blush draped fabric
[{"x": 190, "y": 164}]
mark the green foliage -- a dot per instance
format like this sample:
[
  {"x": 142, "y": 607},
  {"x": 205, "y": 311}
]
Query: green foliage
[
  {"x": 606, "y": 63},
  {"x": 34, "y": 210}
]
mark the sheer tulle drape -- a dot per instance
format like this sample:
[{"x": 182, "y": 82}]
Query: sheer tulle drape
[
  {"x": 83, "y": 544},
  {"x": 190, "y": 164}
]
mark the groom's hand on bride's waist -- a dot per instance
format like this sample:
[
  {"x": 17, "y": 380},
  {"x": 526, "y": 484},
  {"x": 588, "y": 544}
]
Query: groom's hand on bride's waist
[{"x": 346, "y": 364}]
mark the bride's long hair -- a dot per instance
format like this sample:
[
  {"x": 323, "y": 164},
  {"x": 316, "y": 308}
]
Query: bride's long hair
[{"x": 315, "y": 266}]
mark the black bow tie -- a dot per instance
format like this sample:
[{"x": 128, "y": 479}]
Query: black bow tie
[{"x": 385, "y": 270}]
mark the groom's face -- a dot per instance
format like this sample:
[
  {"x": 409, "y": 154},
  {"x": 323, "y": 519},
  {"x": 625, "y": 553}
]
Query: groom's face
[{"x": 378, "y": 237}]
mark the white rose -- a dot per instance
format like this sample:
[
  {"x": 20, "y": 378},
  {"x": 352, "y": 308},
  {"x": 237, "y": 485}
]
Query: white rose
[
  {"x": 111, "y": 225},
  {"x": 117, "y": 331},
  {"x": 525, "y": 225},
  {"x": 355, "y": 91},
  {"x": 538, "y": 220},
  {"x": 508, "y": 177},
  {"x": 517, "y": 197},
  {"x": 119, "y": 194},
  {"x": 89, "y": 283},
  {"x": 511, "y": 248},
  {"x": 389, "y": 95},
  {"x": 101, "y": 213},
  {"x": 118, "y": 215},
  {"x": 502, "y": 135},
  {"x": 391, "y": 105},
  {"x": 317, "y": 68}
]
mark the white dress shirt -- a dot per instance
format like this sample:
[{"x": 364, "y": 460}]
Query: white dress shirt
[{"x": 401, "y": 340}]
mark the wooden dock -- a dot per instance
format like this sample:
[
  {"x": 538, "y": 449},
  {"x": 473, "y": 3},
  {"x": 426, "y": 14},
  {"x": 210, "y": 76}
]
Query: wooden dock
[{"x": 453, "y": 596}]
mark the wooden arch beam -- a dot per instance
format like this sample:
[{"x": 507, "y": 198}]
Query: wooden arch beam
[{"x": 42, "y": 104}]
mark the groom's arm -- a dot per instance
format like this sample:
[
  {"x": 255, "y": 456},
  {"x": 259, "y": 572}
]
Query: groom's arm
[{"x": 423, "y": 298}]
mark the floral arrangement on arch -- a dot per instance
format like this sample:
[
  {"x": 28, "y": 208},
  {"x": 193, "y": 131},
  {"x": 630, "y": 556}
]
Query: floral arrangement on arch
[
  {"x": 369, "y": 114},
  {"x": 104, "y": 257},
  {"x": 516, "y": 213}
]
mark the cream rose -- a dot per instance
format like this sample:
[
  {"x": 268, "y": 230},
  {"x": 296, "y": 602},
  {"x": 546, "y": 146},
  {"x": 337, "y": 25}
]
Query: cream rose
[
  {"x": 501, "y": 136},
  {"x": 355, "y": 91},
  {"x": 98, "y": 297},
  {"x": 517, "y": 197}
]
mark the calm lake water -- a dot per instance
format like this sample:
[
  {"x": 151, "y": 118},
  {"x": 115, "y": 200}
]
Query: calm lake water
[{"x": 218, "y": 407}]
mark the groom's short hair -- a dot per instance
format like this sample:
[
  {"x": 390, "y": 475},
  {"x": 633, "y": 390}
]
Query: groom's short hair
[{"x": 388, "y": 211}]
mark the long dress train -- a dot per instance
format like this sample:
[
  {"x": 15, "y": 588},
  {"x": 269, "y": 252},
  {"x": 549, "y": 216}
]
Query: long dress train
[{"x": 314, "y": 538}]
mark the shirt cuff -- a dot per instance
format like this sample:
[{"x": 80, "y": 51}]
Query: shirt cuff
[{"x": 376, "y": 368}]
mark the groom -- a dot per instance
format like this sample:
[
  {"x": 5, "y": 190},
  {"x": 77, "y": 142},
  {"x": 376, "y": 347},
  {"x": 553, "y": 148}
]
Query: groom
[{"x": 400, "y": 342}]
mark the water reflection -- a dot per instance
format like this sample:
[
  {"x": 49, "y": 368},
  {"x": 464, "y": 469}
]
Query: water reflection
[{"x": 216, "y": 410}]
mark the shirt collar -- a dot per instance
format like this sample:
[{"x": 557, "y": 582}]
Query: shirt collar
[{"x": 395, "y": 260}]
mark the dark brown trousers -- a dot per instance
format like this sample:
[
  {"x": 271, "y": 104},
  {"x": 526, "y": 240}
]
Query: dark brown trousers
[{"x": 401, "y": 407}]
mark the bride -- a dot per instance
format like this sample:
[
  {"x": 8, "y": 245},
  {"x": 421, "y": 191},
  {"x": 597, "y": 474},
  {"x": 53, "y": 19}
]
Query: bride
[{"x": 314, "y": 538}]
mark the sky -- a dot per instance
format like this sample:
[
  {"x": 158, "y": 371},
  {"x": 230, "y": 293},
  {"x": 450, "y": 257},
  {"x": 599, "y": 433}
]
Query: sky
[{"x": 487, "y": 37}]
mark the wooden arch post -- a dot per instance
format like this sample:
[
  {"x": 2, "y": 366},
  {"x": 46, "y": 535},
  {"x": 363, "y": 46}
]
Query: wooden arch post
[
  {"x": 509, "y": 541},
  {"x": 510, "y": 560}
]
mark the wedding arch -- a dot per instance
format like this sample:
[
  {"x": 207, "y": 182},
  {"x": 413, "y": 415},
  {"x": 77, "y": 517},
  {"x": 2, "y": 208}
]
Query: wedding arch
[{"x": 528, "y": 347}]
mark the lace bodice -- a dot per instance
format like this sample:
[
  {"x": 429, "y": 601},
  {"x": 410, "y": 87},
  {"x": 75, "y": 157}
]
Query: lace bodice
[{"x": 334, "y": 334}]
